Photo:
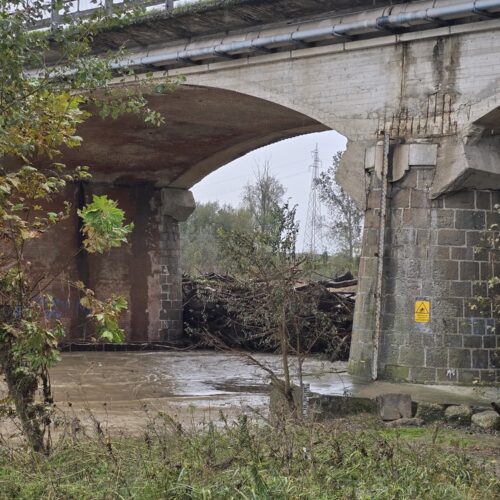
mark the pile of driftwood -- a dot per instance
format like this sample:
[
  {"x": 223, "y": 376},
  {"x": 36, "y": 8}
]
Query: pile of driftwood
[{"x": 210, "y": 316}]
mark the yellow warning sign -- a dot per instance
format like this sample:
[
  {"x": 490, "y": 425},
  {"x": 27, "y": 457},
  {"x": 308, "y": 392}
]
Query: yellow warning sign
[{"x": 422, "y": 311}]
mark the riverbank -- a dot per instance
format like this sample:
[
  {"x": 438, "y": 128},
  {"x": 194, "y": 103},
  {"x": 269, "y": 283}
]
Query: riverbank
[{"x": 354, "y": 458}]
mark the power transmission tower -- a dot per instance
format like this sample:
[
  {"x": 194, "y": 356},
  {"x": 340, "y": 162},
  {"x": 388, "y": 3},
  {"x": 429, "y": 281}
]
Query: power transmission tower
[{"x": 313, "y": 235}]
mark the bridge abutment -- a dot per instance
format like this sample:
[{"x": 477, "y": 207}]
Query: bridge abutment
[{"x": 434, "y": 253}]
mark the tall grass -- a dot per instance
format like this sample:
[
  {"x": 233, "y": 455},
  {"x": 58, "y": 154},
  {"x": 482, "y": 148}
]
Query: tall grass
[{"x": 251, "y": 460}]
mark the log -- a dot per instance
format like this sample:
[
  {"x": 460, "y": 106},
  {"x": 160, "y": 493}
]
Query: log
[{"x": 208, "y": 313}]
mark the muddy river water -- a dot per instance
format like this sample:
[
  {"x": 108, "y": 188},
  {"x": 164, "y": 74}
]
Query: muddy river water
[
  {"x": 189, "y": 386},
  {"x": 122, "y": 388}
]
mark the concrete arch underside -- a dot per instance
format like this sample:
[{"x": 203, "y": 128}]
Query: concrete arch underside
[{"x": 205, "y": 128}]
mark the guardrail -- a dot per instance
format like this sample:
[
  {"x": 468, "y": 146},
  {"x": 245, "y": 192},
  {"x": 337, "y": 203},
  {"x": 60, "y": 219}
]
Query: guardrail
[{"x": 57, "y": 13}]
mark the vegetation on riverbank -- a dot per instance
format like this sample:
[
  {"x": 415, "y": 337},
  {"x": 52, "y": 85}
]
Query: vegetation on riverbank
[{"x": 339, "y": 459}]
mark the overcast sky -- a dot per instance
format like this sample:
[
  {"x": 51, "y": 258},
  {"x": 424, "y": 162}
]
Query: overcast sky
[{"x": 290, "y": 163}]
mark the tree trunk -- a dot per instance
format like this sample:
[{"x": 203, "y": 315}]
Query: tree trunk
[{"x": 33, "y": 416}]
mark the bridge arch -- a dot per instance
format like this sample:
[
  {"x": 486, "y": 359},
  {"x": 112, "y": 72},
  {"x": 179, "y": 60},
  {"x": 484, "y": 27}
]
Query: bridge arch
[
  {"x": 149, "y": 171},
  {"x": 205, "y": 128}
]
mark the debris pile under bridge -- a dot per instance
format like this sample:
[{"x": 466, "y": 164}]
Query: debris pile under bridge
[{"x": 210, "y": 318}]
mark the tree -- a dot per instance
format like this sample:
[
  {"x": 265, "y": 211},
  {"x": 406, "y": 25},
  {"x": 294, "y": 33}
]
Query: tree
[
  {"x": 41, "y": 107},
  {"x": 345, "y": 219},
  {"x": 262, "y": 198},
  {"x": 200, "y": 241},
  {"x": 269, "y": 267}
]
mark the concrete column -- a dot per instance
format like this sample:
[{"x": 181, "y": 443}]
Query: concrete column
[
  {"x": 432, "y": 252},
  {"x": 176, "y": 206}
]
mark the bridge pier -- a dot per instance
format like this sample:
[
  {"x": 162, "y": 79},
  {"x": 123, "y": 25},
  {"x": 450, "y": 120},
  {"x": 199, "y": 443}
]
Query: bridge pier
[
  {"x": 176, "y": 206},
  {"x": 146, "y": 271},
  {"x": 433, "y": 252}
]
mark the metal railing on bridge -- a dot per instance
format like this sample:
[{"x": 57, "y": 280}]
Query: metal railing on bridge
[{"x": 57, "y": 13}]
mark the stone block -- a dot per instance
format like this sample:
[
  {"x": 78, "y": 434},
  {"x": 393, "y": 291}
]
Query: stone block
[
  {"x": 481, "y": 254},
  {"x": 486, "y": 272},
  {"x": 468, "y": 377},
  {"x": 488, "y": 376},
  {"x": 447, "y": 308},
  {"x": 470, "y": 219},
  {"x": 447, "y": 375},
  {"x": 423, "y": 375},
  {"x": 443, "y": 218},
  {"x": 475, "y": 308},
  {"x": 440, "y": 252},
  {"x": 494, "y": 355},
  {"x": 436, "y": 357},
  {"x": 445, "y": 270},
  {"x": 423, "y": 238},
  {"x": 410, "y": 179},
  {"x": 479, "y": 289},
  {"x": 416, "y": 217},
  {"x": 411, "y": 356},
  {"x": 405, "y": 422},
  {"x": 400, "y": 198},
  {"x": 451, "y": 237},
  {"x": 390, "y": 353},
  {"x": 462, "y": 199},
  {"x": 459, "y": 358},
  {"x": 323, "y": 407},
  {"x": 433, "y": 340},
  {"x": 177, "y": 203},
  {"x": 492, "y": 219},
  {"x": 495, "y": 200},
  {"x": 473, "y": 341},
  {"x": 459, "y": 415},
  {"x": 462, "y": 253},
  {"x": 487, "y": 420},
  {"x": 394, "y": 406},
  {"x": 400, "y": 163},
  {"x": 469, "y": 271},
  {"x": 404, "y": 236},
  {"x": 483, "y": 200},
  {"x": 479, "y": 358},
  {"x": 396, "y": 373},
  {"x": 419, "y": 199},
  {"x": 430, "y": 412},
  {"x": 374, "y": 199},
  {"x": 424, "y": 181},
  {"x": 489, "y": 342},
  {"x": 422, "y": 155},
  {"x": 444, "y": 326},
  {"x": 460, "y": 289}
]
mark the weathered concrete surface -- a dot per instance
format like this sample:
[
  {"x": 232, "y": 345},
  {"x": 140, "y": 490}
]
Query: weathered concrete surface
[{"x": 394, "y": 406}]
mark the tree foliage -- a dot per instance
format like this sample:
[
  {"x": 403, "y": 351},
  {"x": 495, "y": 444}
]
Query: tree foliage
[
  {"x": 200, "y": 234},
  {"x": 345, "y": 220},
  {"x": 487, "y": 303},
  {"x": 200, "y": 241},
  {"x": 41, "y": 107},
  {"x": 262, "y": 198}
]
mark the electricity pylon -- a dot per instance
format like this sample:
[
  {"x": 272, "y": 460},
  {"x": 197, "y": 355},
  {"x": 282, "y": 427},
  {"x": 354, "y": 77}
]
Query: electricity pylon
[{"x": 313, "y": 235}]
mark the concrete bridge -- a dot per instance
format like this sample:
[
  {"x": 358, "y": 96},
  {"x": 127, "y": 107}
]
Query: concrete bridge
[{"x": 413, "y": 85}]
